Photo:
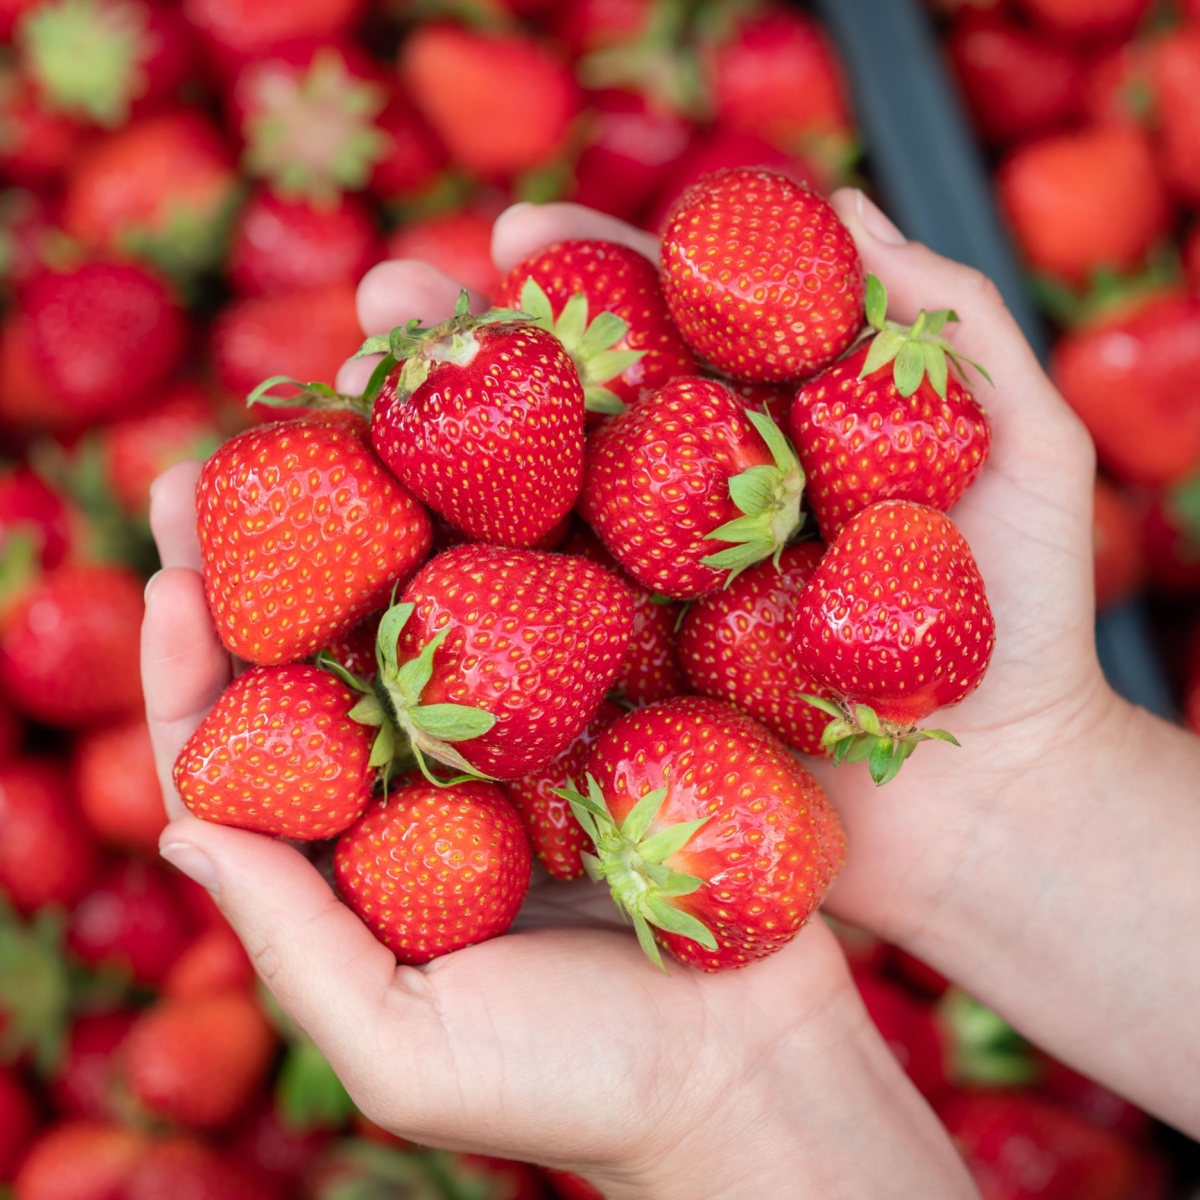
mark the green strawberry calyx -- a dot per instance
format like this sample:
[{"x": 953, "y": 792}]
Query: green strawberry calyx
[
  {"x": 418, "y": 347},
  {"x": 319, "y": 397},
  {"x": 856, "y": 734},
  {"x": 632, "y": 859},
  {"x": 393, "y": 705},
  {"x": 914, "y": 351},
  {"x": 768, "y": 498},
  {"x": 591, "y": 344},
  {"x": 35, "y": 988}
]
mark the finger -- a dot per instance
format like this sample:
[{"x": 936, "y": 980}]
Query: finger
[
  {"x": 393, "y": 293},
  {"x": 173, "y": 515},
  {"x": 525, "y": 228},
  {"x": 354, "y": 374},
  {"x": 316, "y": 957},
  {"x": 184, "y": 667}
]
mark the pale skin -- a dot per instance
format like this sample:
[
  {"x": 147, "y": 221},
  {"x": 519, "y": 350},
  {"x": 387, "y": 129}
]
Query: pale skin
[{"x": 1045, "y": 866}]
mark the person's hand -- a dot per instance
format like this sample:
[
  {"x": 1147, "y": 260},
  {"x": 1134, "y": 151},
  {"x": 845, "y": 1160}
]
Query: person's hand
[{"x": 559, "y": 1042}]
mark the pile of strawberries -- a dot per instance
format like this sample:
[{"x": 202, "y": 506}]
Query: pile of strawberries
[
  {"x": 1090, "y": 113},
  {"x": 190, "y": 193}
]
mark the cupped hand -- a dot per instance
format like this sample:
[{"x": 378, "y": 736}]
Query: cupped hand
[{"x": 559, "y": 1042}]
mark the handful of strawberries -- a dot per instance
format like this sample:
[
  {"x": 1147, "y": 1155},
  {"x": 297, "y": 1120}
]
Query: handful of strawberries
[{"x": 460, "y": 593}]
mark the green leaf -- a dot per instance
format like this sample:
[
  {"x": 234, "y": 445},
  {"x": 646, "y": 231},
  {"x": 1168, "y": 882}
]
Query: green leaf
[
  {"x": 368, "y": 711},
  {"x": 390, "y": 629},
  {"x": 645, "y": 937},
  {"x": 658, "y": 847},
  {"x": 383, "y": 748},
  {"x": 673, "y": 920},
  {"x": 462, "y": 306},
  {"x": 935, "y": 367},
  {"x": 378, "y": 344},
  {"x": 537, "y": 304},
  {"x": 308, "y": 1092},
  {"x": 572, "y": 322},
  {"x": 826, "y": 706},
  {"x": 383, "y": 368},
  {"x": 753, "y": 490},
  {"x": 935, "y": 322},
  {"x": 327, "y": 662},
  {"x": 677, "y": 883},
  {"x": 885, "y": 345},
  {"x": 940, "y": 735},
  {"x": 603, "y": 333},
  {"x": 737, "y": 559},
  {"x": 909, "y": 369},
  {"x": 599, "y": 399},
  {"x": 259, "y": 394},
  {"x": 740, "y": 529},
  {"x": 451, "y": 722},
  {"x": 608, "y": 364},
  {"x": 867, "y": 719},
  {"x": 780, "y": 448},
  {"x": 875, "y": 301},
  {"x": 640, "y": 817},
  {"x": 412, "y": 676}
]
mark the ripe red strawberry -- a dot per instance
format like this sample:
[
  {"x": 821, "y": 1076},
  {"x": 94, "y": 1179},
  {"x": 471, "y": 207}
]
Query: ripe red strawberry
[
  {"x": 910, "y": 1028},
  {"x": 1082, "y": 19},
  {"x": 1085, "y": 200},
  {"x": 120, "y": 797},
  {"x": 612, "y": 279},
  {"x": 79, "y": 1160},
  {"x": 199, "y": 1061},
  {"x": 687, "y": 487},
  {"x": 185, "y": 1168},
  {"x": 1015, "y": 83},
  {"x": 414, "y": 161},
  {"x": 165, "y": 188},
  {"x": 38, "y": 145},
  {"x": 1130, "y": 375},
  {"x": 214, "y": 962},
  {"x": 776, "y": 74},
  {"x": 340, "y": 532},
  {"x": 70, "y": 646},
  {"x": 131, "y": 919},
  {"x": 896, "y": 624},
  {"x": 434, "y": 869},
  {"x": 284, "y": 246},
  {"x": 103, "y": 61},
  {"x": 237, "y": 30},
  {"x": 747, "y": 838},
  {"x": 101, "y": 338},
  {"x": 1120, "y": 557},
  {"x": 278, "y": 753},
  {"x": 18, "y": 1120},
  {"x": 455, "y": 73},
  {"x": 84, "y": 1083},
  {"x": 1175, "y": 70},
  {"x": 1101, "y": 1106},
  {"x": 1170, "y": 538},
  {"x": 761, "y": 276},
  {"x": 484, "y": 423},
  {"x": 507, "y": 654},
  {"x": 888, "y": 422},
  {"x": 736, "y": 645},
  {"x": 568, "y": 1186},
  {"x": 557, "y": 836},
  {"x": 458, "y": 243},
  {"x": 307, "y": 115},
  {"x": 30, "y": 507}
]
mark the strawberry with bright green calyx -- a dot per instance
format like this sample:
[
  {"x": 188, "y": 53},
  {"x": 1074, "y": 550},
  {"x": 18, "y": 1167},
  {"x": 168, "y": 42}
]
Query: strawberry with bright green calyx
[
  {"x": 713, "y": 838},
  {"x": 482, "y": 418},
  {"x": 889, "y": 421},
  {"x": 682, "y": 470}
]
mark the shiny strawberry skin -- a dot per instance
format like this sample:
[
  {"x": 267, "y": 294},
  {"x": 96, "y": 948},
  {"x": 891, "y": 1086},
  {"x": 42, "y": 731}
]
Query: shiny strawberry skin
[
  {"x": 495, "y": 445},
  {"x": 761, "y": 276},
  {"x": 860, "y": 440},
  {"x": 279, "y": 754},
  {"x": 557, "y": 836},
  {"x": 656, "y": 482},
  {"x": 80, "y": 1160},
  {"x": 435, "y": 869},
  {"x": 116, "y": 784},
  {"x": 303, "y": 533},
  {"x": 535, "y": 639},
  {"x": 736, "y": 646},
  {"x": 772, "y": 845},
  {"x": 614, "y": 279},
  {"x": 895, "y": 615}
]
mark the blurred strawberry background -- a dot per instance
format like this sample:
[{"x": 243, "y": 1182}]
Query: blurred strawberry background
[{"x": 191, "y": 190}]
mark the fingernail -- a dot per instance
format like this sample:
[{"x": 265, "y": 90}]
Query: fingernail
[
  {"x": 876, "y": 223},
  {"x": 149, "y": 584},
  {"x": 195, "y": 864}
]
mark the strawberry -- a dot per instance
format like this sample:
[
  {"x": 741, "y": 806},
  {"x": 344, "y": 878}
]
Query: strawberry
[
  {"x": 776, "y": 74},
  {"x": 1175, "y": 70},
  {"x": 1101, "y": 1106},
  {"x": 483, "y": 422},
  {"x": 79, "y": 1160},
  {"x": 1129, "y": 373},
  {"x": 910, "y": 1028},
  {"x": 557, "y": 836},
  {"x": 761, "y": 276},
  {"x": 354, "y": 650},
  {"x": 18, "y": 1120},
  {"x": 711, "y": 835},
  {"x": 103, "y": 61},
  {"x": 306, "y": 334},
  {"x": 888, "y": 421},
  {"x": 1082, "y": 19},
  {"x": 307, "y": 115},
  {"x": 38, "y": 145},
  {"x": 736, "y": 646},
  {"x": 341, "y": 531},
  {"x": 458, "y": 243},
  {"x": 414, "y": 161},
  {"x": 1120, "y": 558},
  {"x": 101, "y": 337},
  {"x": 164, "y": 188},
  {"x": 1015, "y": 83},
  {"x": 84, "y": 1081},
  {"x": 269, "y": 1143},
  {"x": 131, "y": 919},
  {"x": 434, "y": 869},
  {"x": 214, "y": 962},
  {"x": 455, "y": 73},
  {"x": 611, "y": 279},
  {"x": 278, "y": 754},
  {"x": 116, "y": 784},
  {"x": 895, "y": 623},
  {"x": 1170, "y": 537},
  {"x": 1085, "y": 200},
  {"x": 568, "y": 1186},
  {"x": 282, "y": 246},
  {"x": 184, "y": 1168},
  {"x": 687, "y": 487},
  {"x": 70, "y": 646},
  {"x": 504, "y": 653},
  {"x": 29, "y": 507},
  {"x": 199, "y": 1061}
]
